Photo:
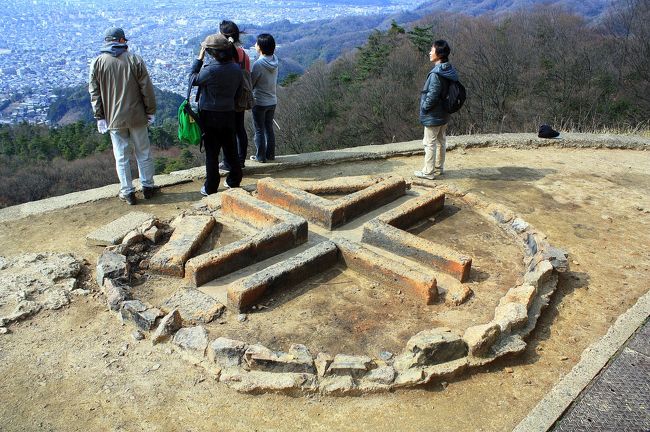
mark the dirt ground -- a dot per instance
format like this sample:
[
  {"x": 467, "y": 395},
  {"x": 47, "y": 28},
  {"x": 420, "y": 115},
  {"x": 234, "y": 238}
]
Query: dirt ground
[{"x": 79, "y": 369}]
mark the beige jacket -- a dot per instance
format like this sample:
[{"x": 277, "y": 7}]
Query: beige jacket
[{"x": 121, "y": 91}]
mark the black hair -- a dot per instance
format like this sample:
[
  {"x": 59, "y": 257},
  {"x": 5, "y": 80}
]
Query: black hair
[
  {"x": 229, "y": 29},
  {"x": 442, "y": 50},
  {"x": 223, "y": 56},
  {"x": 266, "y": 43}
]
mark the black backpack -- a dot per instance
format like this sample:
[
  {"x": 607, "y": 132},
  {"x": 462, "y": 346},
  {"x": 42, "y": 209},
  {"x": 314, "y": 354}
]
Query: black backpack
[{"x": 453, "y": 94}]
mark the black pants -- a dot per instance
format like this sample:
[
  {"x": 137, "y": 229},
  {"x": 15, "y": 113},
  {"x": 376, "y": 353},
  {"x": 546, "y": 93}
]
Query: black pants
[
  {"x": 219, "y": 128},
  {"x": 242, "y": 139}
]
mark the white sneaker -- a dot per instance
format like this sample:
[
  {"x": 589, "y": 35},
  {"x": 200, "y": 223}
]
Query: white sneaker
[{"x": 422, "y": 175}]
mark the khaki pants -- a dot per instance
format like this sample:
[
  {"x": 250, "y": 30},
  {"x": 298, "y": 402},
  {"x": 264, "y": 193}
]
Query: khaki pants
[{"x": 435, "y": 145}]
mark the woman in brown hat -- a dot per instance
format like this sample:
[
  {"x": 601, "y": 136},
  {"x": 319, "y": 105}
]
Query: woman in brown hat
[{"x": 219, "y": 83}]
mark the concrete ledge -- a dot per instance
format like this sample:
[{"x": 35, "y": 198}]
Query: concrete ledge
[
  {"x": 593, "y": 359},
  {"x": 290, "y": 272},
  {"x": 399, "y": 274}
]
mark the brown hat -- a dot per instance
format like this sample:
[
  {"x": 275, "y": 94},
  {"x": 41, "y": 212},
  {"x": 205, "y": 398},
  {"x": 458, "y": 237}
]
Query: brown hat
[{"x": 217, "y": 41}]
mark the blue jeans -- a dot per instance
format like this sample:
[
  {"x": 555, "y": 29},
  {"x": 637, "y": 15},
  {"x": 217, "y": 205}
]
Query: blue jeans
[
  {"x": 264, "y": 135},
  {"x": 122, "y": 140}
]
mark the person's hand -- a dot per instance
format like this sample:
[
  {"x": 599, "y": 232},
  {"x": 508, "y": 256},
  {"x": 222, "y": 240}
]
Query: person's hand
[
  {"x": 201, "y": 53},
  {"x": 102, "y": 126},
  {"x": 150, "y": 119}
]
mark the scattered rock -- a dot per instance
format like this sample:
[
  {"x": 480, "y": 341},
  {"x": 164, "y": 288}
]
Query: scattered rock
[
  {"x": 4, "y": 330},
  {"x": 337, "y": 385},
  {"x": 241, "y": 317},
  {"x": 113, "y": 266},
  {"x": 193, "y": 339},
  {"x": 194, "y": 306},
  {"x": 458, "y": 294},
  {"x": 386, "y": 355},
  {"x": 322, "y": 362},
  {"x": 354, "y": 366},
  {"x": 167, "y": 327},
  {"x": 434, "y": 346},
  {"x": 153, "y": 234},
  {"x": 132, "y": 238},
  {"x": 116, "y": 293},
  {"x": 226, "y": 352},
  {"x": 137, "y": 335},
  {"x": 480, "y": 338},
  {"x": 143, "y": 316}
]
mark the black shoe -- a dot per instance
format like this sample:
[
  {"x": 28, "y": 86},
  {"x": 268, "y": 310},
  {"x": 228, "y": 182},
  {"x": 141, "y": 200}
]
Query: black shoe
[
  {"x": 148, "y": 192},
  {"x": 129, "y": 199}
]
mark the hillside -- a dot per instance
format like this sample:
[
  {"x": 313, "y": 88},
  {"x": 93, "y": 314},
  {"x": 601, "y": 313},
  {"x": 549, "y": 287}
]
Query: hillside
[{"x": 73, "y": 105}]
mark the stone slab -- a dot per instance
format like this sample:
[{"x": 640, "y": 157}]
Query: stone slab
[
  {"x": 194, "y": 306},
  {"x": 114, "y": 232},
  {"x": 188, "y": 236}
]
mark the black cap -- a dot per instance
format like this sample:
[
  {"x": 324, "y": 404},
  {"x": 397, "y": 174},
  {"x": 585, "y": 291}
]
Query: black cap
[{"x": 114, "y": 34}]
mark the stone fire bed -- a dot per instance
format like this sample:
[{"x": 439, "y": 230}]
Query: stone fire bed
[{"x": 433, "y": 354}]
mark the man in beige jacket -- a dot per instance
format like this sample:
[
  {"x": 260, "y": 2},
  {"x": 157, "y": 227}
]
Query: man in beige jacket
[{"x": 124, "y": 104}]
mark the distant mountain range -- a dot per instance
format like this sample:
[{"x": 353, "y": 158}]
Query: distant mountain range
[{"x": 302, "y": 44}]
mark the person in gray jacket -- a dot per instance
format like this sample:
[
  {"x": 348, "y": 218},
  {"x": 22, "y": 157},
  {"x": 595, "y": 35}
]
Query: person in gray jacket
[
  {"x": 433, "y": 116},
  {"x": 264, "y": 77},
  {"x": 124, "y": 104}
]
